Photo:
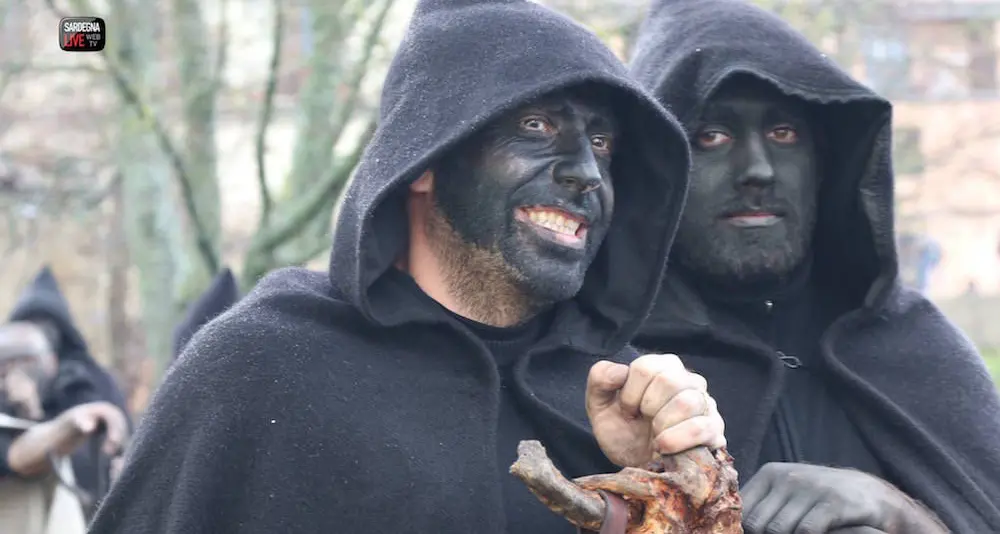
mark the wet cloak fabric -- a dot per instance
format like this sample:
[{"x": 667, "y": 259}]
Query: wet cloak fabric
[
  {"x": 340, "y": 402},
  {"x": 80, "y": 378},
  {"x": 916, "y": 387},
  {"x": 221, "y": 294}
]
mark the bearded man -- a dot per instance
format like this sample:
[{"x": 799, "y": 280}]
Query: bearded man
[
  {"x": 499, "y": 246},
  {"x": 847, "y": 397}
]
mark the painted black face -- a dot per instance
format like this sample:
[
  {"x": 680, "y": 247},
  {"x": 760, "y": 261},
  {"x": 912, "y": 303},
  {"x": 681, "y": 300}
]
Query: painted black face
[
  {"x": 751, "y": 205},
  {"x": 535, "y": 186}
]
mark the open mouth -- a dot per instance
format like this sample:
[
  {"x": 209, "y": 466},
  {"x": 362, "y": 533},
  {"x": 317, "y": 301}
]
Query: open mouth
[
  {"x": 757, "y": 219},
  {"x": 554, "y": 224}
]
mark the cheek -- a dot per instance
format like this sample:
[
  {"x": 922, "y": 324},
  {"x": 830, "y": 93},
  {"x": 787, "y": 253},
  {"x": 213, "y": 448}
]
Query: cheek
[
  {"x": 506, "y": 167},
  {"x": 700, "y": 193}
]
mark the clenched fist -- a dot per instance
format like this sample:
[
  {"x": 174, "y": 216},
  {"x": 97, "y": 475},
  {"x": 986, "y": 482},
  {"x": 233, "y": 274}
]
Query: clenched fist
[{"x": 653, "y": 406}]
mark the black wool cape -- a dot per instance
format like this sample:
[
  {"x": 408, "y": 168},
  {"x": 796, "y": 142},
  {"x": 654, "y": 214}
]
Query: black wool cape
[
  {"x": 336, "y": 403},
  {"x": 918, "y": 390}
]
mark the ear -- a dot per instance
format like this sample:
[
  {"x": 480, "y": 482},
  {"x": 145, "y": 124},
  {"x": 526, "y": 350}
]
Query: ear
[{"x": 424, "y": 184}]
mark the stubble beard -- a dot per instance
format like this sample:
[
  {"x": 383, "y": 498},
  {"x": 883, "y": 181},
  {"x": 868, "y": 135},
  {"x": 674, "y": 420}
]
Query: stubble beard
[
  {"x": 488, "y": 289},
  {"x": 733, "y": 262}
]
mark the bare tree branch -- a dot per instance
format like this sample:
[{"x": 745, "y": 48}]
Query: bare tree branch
[
  {"x": 360, "y": 70},
  {"x": 307, "y": 207},
  {"x": 266, "y": 203}
]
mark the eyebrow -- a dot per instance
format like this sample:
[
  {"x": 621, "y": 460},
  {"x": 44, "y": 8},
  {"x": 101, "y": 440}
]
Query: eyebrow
[{"x": 718, "y": 111}]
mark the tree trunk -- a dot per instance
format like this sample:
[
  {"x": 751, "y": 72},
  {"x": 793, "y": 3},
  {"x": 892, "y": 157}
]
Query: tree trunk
[
  {"x": 201, "y": 83},
  {"x": 316, "y": 136},
  {"x": 149, "y": 211},
  {"x": 125, "y": 368}
]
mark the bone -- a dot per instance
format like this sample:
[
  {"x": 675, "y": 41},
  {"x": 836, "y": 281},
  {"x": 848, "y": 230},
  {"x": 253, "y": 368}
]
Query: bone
[{"x": 583, "y": 508}]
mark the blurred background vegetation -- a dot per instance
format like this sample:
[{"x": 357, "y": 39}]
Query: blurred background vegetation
[{"x": 222, "y": 132}]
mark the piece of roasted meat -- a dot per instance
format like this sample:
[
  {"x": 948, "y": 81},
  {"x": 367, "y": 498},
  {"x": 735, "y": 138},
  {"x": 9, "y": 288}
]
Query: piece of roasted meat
[{"x": 694, "y": 492}]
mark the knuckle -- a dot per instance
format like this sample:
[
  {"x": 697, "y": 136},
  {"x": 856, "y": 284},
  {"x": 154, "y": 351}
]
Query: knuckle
[
  {"x": 599, "y": 368},
  {"x": 689, "y": 402},
  {"x": 770, "y": 469},
  {"x": 703, "y": 430},
  {"x": 664, "y": 380},
  {"x": 754, "y": 523},
  {"x": 699, "y": 381},
  {"x": 642, "y": 369},
  {"x": 810, "y": 525}
]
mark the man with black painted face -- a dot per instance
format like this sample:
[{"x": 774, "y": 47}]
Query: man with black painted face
[
  {"x": 849, "y": 399},
  {"x": 516, "y": 215},
  {"x": 750, "y": 214},
  {"x": 500, "y": 244}
]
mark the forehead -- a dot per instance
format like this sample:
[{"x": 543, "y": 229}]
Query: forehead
[
  {"x": 749, "y": 94},
  {"x": 591, "y": 104}
]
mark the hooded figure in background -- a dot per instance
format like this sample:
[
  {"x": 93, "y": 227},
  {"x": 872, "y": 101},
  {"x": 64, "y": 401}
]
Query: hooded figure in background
[
  {"x": 505, "y": 232},
  {"x": 221, "y": 294},
  {"x": 783, "y": 289},
  {"x": 76, "y": 397}
]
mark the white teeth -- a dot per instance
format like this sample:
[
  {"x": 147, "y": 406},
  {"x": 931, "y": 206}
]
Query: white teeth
[{"x": 554, "y": 221}]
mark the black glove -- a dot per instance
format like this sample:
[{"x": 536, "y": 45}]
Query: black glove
[{"x": 804, "y": 499}]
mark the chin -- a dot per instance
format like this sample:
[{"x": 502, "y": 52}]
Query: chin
[
  {"x": 763, "y": 263},
  {"x": 548, "y": 271},
  {"x": 551, "y": 283}
]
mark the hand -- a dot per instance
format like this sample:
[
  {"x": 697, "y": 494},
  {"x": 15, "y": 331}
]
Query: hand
[
  {"x": 28, "y": 453},
  {"x": 653, "y": 406},
  {"x": 806, "y": 499},
  {"x": 80, "y": 422}
]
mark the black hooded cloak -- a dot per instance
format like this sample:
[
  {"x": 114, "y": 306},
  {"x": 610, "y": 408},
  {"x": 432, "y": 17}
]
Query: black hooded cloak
[
  {"x": 914, "y": 386},
  {"x": 221, "y": 294},
  {"x": 348, "y": 401},
  {"x": 80, "y": 378}
]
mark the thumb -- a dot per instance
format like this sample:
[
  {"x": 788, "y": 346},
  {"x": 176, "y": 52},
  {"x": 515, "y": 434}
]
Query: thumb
[{"x": 603, "y": 383}]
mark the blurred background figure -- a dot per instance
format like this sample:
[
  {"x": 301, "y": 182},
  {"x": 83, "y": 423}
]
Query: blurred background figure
[{"x": 48, "y": 377}]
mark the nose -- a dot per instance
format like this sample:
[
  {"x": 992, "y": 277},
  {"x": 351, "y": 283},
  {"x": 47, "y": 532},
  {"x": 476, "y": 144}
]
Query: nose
[
  {"x": 579, "y": 173},
  {"x": 759, "y": 171}
]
